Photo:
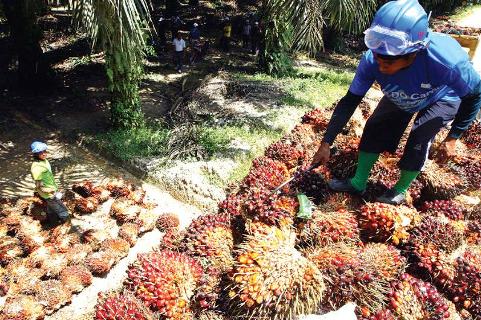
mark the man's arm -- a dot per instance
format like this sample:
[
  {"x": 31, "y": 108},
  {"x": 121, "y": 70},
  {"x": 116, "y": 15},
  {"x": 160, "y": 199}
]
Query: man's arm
[{"x": 467, "y": 112}]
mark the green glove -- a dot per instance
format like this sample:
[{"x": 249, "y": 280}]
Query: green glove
[{"x": 305, "y": 207}]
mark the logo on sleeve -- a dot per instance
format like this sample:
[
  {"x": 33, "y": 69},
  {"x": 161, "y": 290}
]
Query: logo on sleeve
[{"x": 426, "y": 86}]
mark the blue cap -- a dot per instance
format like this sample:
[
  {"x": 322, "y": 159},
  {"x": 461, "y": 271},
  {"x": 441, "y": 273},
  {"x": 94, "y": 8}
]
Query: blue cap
[{"x": 38, "y": 146}]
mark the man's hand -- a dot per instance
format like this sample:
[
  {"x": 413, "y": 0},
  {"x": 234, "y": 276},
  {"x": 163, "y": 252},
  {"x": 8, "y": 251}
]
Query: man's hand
[
  {"x": 322, "y": 155},
  {"x": 447, "y": 150}
]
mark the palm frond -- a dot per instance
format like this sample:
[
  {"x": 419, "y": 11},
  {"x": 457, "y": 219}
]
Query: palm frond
[{"x": 349, "y": 15}]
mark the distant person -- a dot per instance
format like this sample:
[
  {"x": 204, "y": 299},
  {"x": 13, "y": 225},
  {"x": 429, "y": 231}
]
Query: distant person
[
  {"x": 246, "y": 34},
  {"x": 45, "y": 185},
  {"x": 176, "y": 24},
  {"x": 179, "y": 46},
  {"x": 226, "y": 35},
  {"x": 195, "y": 46},
  {"x": 256, "y": 35}
]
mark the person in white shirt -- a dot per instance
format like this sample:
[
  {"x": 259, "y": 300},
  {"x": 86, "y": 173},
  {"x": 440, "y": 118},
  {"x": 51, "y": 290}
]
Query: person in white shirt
[{"x": 179, "y": 46}]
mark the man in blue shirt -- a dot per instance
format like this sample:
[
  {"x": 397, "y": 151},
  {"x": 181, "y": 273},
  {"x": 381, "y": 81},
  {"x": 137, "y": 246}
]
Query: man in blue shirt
[{"x": 419, "y": 72}]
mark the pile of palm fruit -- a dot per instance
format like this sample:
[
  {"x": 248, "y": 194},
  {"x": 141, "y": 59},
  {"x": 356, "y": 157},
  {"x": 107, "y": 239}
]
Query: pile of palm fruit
[
  {"x": 256, "y": 259},
  {"x": 445, "y": 25},
  {"x": 43, "y": 265}
]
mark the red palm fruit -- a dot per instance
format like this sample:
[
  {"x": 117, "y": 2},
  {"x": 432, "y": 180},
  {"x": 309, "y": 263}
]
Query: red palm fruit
[
  {"x": 137, "y": 196},
  {"x": 288, "y": 154},
  {"x": 118, "y": 248},
  {"x": 115, "y": 306},
  {"x": 118, "y": 188},
  {"x": 266, "y": 173},
  {"x": 444, "y": 234},
  {"x": 100, "y": 262},
  {"x": 447, "y": 208},
  {"x": 383, "y": 260},
  {"x": 232, "y": 205},
  {"x": 439, "y": 183},
  {"x": 147, "y": 219},
  {"x": 317, "y": 118},
  {"x": 209, "y": 290},
  {"x": 75, "y": 278},
  {"x": 472, "y": 136},
  {"x": 312, "y": 183},
  {"x": 307, "y": 137},
  {"x": 343, "y": 163},
  {"x": 469, "y": 168},
  {"x": 172, "y": 239},
  {"x": 260, "y": 205},
  {"x": 52, "y": 294},
  {"x": 340, "y": 200},
  {"x": 100, "y": 194},
  {"x": 64, "y": 243}
]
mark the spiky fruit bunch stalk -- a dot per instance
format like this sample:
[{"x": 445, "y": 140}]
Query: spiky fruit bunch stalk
[
  {"x": 167, "y": 221},
  {"x": 232, "y": 205},
  {"x": 312, "y": 183},
  {"x": 115, "y": 306},
  {"x": 262, "y": 205},
  {"x": 288, "y": 154},
  {"x": 147, "y": 219},
  {"x": 472, "y": 136},
  {"x": 210, "y": 236},
  {"x": 348, "y": 279},
  {"x": 10, "y": 249},
  {"x": 124, "y": 210},
  {"x": 75, "y": 278},
  {"x": 343, "y": 164},
  {"x": 383, "y": 260},
  {"x": 316, "y": 117},
  {"x": 329, "y": 227},
  {"x": 54, "y": 265},
  {"x": 383, "y": 222},
  {"x": 209, "y": 290},
  {"x": 448, "y": 208},
  {"x": 411, "y": 298},
  {"x": 22, "y": 307},
  {"x": 129, "y": 232},
  {"x": 100, "y": 262},
  {"x": 440, "y": 183},
  {"x": 118, "y": 248},
  {"x": 272, "y": 279},
  {"x": 86, "y": 205},
  {"x": 266, "y": 173},
  {"x": 94, "y": 237},
  {"x": 52, "y": 294},
  {"x": 165, "y": 281},
  {"x": 119, "y": 188}
]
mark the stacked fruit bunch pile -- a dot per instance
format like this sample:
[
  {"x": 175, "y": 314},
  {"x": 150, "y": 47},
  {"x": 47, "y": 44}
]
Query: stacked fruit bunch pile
[
  {"x": 384, "y": 222},
  {"x": 165, "y": 281},
  {"x": 210, "y": 237},
  {"x": 445, "y": 25},
  {"x": 263, "y": 261},
  {"x": 271, "y": 278},
  {"x": 113, "y": 306}
]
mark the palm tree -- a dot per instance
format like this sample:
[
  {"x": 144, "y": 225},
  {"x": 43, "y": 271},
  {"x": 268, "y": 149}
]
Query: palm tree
[
  {"x": 119, "y": 28},
  {"x": 298, "y": 25}
]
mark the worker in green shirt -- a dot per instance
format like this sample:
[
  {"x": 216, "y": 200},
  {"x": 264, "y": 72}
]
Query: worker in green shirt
[{"x": 45, "y": 186}]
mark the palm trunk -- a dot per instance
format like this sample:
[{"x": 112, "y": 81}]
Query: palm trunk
[{"x": 25, "y": 34}]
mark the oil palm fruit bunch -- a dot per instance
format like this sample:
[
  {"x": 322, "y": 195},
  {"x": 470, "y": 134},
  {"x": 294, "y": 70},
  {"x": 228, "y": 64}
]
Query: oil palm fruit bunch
[
  {"x": 52, "y": 294},
  {"x": 384, "y": 176},
  {"x": 473, "y": 232},
  {"x": 147, "y": 219},
  {"x": 364, "y": 313},
  {"x": 329, "y": 227},
  {"x": 261, "y": 205},
  {"x": 312, "y": 183},
  {"x": 412, "y": 298},
  {"x": 415, "y": 191},
  {"x": 165, "y": 281},
  {"x": 86, "y": 205},
  {"x": 307, "y": 137},
  {"x": 210, "y": 236},
  {"x": 94, "y": 237},
  {"x": 271, "y": 279},
  {"x": 343, "y": 163},
  {"x": 474, "y": 213},
  {"x": 100, "y": 262},
  {"x": 75, "y": 278},
  {"x": 383, "y": 222},
  {"x": 288, "y": 154},
  {"x": 118, "y": 248},
  {"x": 167, "y": 221},
  {"x": 10, "y": 249},
  {"x": 383, "y": 260},
  {"x": 137, "y": 196},
  {"x": 22, "y": 307},
  {"x": 465, "y": 290},
  {"x": 211, "y": 315},
  {"x": 232, "y": 205},
  {"x": 209, "y": 289},
  {"x": 129, "y": 232},
  {"x": 124, "y": 210},
  {"x": 119, "y": 306},
  {"x": 444, "y": 234},
  {"x": 26, "y": 282},
  {"x": 317, "y": 118},
  {"x": 347, "y": 279},
  {"x": 54, "y": 264},
  {"x": 64, "y": 243},
  {"x": 470, "y": 169},
  {"x": 84, "y": 188},
  {"x": 448, "y": 208},
  {"x": 100, "y": 193},
  {"x": 265, "y": 173},
  {"x": 432, "y": 262},
  {"x": 119, "y": 188},
  {"x": 16, "y": 272},
  {"x": 31, "y": 235},
  {"x": 340, "y": 200},
  {"x": 33, "y": 207},
  {"x": 472, "y": 136},
  {"x": 77, "y": 253},
  {"x": 39, "y": 255},
  {"x": 440, "y": 183}
]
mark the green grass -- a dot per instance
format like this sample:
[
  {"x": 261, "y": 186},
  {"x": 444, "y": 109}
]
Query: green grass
[{"x": 126, "y": 144}]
